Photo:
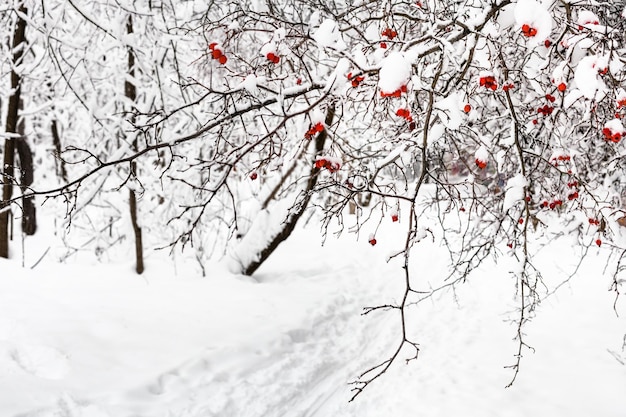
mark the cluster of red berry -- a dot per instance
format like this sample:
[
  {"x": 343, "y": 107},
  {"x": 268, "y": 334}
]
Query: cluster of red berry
[
  {"x": 489, "y": 81},
  {"x": 332, "y": 166},
  {"x": 545, "y": 110},
  {"x": 528, "y": 30},
  {"x": 272, "y": 57},
  {"x": 396, "y": 94},
  {"x": 405, "y": 114},
  {"x": 356, "y": 80},
  {"x": 313, "y": 130},
  {"x": 389, "y": 33},
  {"x": 552, "y": 205},
  {"x": 506, "y": 87},
  {"x": 611, "y": 136},
  {"x": 217, "y": 53},
  {"x": 480, "y": 163}
]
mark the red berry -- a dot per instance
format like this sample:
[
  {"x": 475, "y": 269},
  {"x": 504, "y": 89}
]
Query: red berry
[
  {"x": 253, "y": 176},
  {"x": 394, "y": 217},
  {"x": 212, "y": 46},
  {"x": 223, "y": 59},
  {"x": 383, "y": 45},
  {"x": 521, "y": 221},
  {"x": 510, "y": 245},
  {"x": 547, "y": 43},
  {"x": 598, "y": 242},
  {"x": 372, "y": 241},
  {"x": 562, "y": 87},
  {"x": 467, "y": 108},
  {"x": 299, "y": 81},
  {"x": 528, "y": 30},
  {"x": 216, "y": 54},
  {"x": 480, "y": 164}
]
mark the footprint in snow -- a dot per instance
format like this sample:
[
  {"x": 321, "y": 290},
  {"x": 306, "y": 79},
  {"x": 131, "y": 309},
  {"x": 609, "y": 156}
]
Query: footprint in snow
[{"x": 41, "y": 361}]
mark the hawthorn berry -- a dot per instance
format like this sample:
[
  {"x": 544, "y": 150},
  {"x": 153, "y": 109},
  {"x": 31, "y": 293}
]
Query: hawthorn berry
[
  {"x": 467, "y": 108},
  {"x": 488, "y": 81},
  {"x": 528, "y": 30},
  {"x": 562, "y": 87},
  {"x": 396, "y": 94},
  {"x": 389, "y": 33},
  {"x": 372, "y": 240},
  {"x": 356, "y": 80},
  {"x": 547, "y": 43},
  {"x": 383, "y": 45},
  {"x": 253, "y": 176},
  {"x": 316, "y": 128},
  {"x": 599, "y": 242},
  {"x": 405, "y": 114},
  {"x": 521, "y": 220},
  {"x": 272, "y": 57},
  {"x": 481, "y": 164},
  {"x": 394, "y": 217}
]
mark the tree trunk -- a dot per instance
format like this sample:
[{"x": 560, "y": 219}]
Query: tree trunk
[
  {"x": 29, "y": 211},
  {"x": 131, "y": 93},
  {"x": 56, "y": 140},
  {"x": 291, "y": 222},
  {"x": 8, "y": 168}
]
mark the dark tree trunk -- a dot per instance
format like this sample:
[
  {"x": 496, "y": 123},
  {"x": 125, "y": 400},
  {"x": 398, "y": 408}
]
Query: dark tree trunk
[
  {"x": 56, "y": 141},
  {"x": 29, "y": 211},
  {"x": 290, "y": 224},
  {"x": 8, "y": 168},
  {"x": 131, "y": 93}
]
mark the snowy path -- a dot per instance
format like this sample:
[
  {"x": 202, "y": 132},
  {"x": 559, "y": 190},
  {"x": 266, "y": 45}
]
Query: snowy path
[{"x": 98, "y": 342}]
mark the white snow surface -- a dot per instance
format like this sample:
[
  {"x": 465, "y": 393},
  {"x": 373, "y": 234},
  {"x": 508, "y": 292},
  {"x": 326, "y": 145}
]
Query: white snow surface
[
  {"x": 534, "y": 14},
  {"x": 514, "y": 191},
  {"x": 100, "y": 341},
  {"x": 395, "y": 72},
  {"x": 329, "y": 36}
]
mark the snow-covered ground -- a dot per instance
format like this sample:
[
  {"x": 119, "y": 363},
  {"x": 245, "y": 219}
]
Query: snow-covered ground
[{"x": 100, "y": 341}]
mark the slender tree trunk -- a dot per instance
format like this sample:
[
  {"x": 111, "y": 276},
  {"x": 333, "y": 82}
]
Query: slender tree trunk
[
  {"x": 27, "y": 173},
  {"x": 131, "y": 93},
  {"x": 290, "y": 224},
  {"x": 8, "y": 168},
  {"x": 56, "y": 140}
]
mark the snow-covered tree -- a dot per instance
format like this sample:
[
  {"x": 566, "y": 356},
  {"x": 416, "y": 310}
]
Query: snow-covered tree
[{"x": 491, "y": 126}]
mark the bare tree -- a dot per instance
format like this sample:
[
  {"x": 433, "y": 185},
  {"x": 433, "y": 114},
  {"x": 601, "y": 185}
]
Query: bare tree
[{"x": 11, "y": 126}]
